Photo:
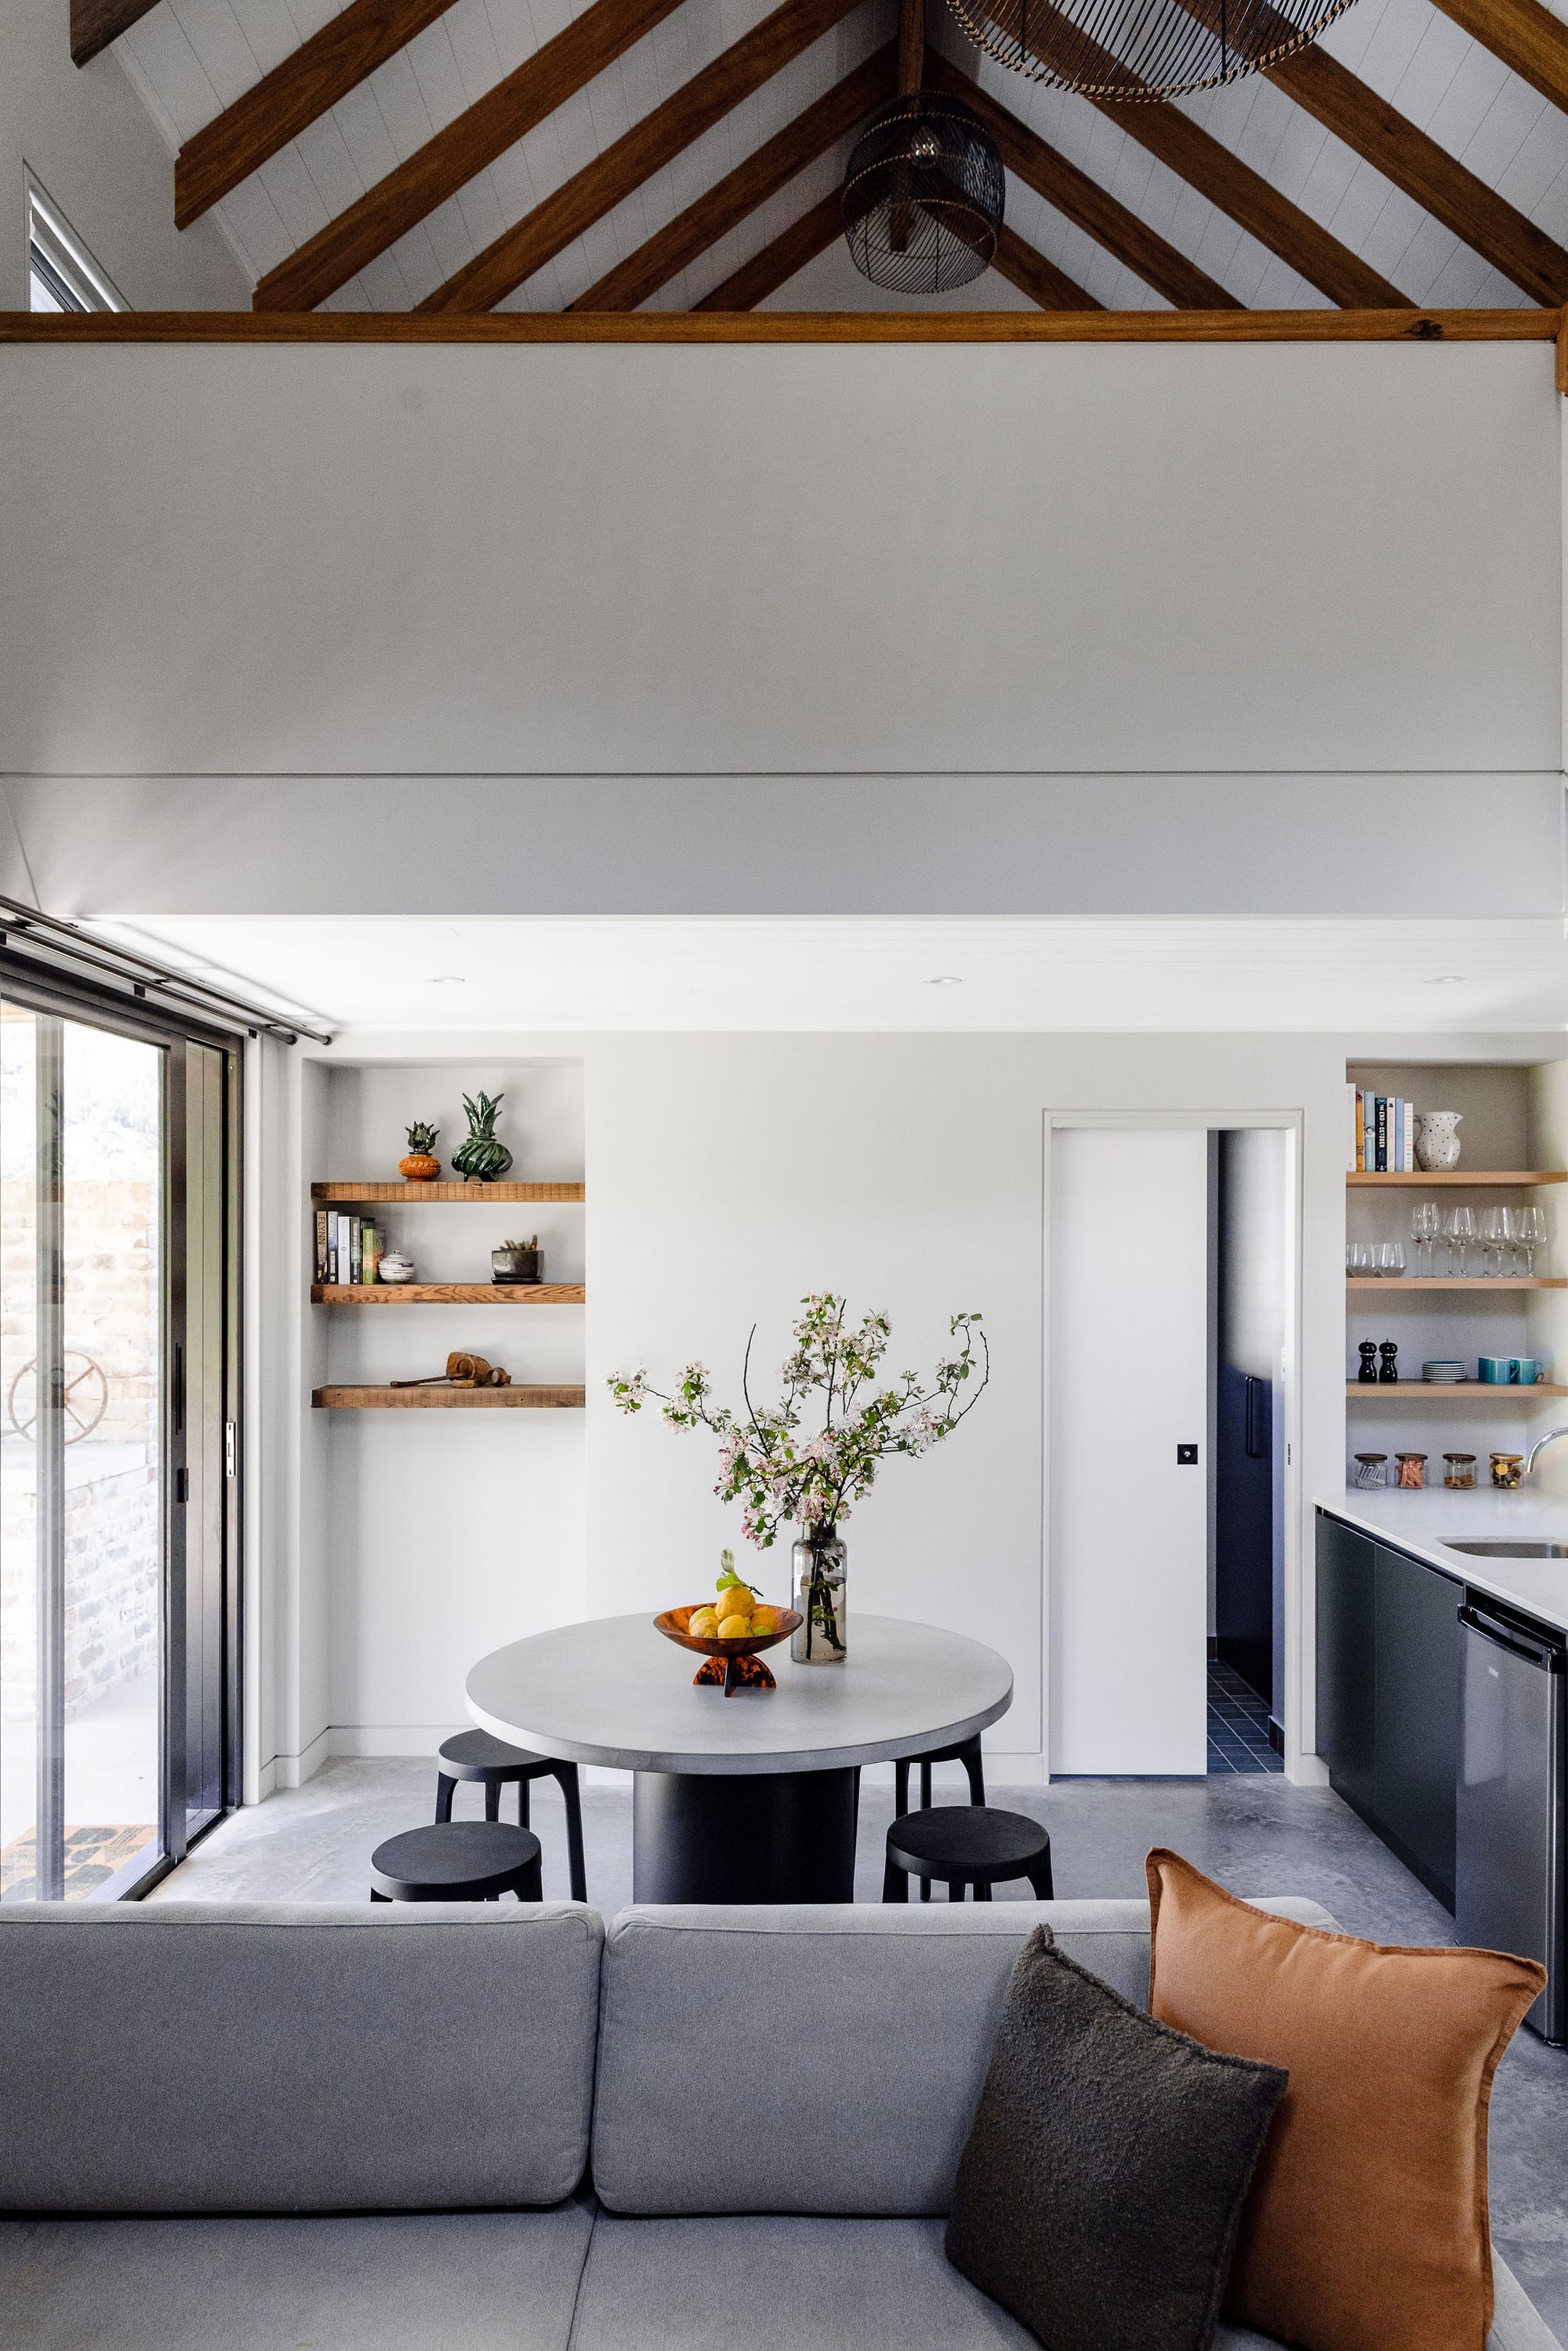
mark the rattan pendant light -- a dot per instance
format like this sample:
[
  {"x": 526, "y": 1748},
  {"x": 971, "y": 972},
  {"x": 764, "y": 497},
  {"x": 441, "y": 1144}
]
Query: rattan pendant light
[
  {"x": 1140, "y": 50},
  {"x": 925, "y": 189}
]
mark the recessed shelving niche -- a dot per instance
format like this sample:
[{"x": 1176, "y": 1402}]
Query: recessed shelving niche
[{"x": 1447, "y": 1315}]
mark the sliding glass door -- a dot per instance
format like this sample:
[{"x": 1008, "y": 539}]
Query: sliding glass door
[{"x": 117, "y": 1516}]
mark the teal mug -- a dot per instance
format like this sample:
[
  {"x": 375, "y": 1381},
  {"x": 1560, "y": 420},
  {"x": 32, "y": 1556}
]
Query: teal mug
[{"x": 1508, "y": 1371}]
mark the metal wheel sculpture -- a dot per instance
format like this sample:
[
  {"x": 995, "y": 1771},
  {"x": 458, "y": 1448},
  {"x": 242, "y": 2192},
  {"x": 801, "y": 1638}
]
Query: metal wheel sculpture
[{"x": 87, "y": 1397}]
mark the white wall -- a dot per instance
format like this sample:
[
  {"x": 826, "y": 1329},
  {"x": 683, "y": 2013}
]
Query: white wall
[
  {"x": 729, "y": 1176},
  {"x": 954, "y": 846},
  {"x": 401, "y": 1546},
  {"x": 634, "y": 559},
  {"x": 87, "y": 138}
]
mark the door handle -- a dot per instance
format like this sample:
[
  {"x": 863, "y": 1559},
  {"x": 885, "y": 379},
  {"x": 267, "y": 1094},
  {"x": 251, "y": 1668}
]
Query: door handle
[{"x": 1254, "y": 1418}]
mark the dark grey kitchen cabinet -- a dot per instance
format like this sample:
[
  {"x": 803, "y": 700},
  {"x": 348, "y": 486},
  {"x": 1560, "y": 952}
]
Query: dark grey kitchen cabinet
[
  {"x": 1388, "y": 1695},
  {"x": 1416, "y": 1741},
  {"x": 1347, "y": 1647}
]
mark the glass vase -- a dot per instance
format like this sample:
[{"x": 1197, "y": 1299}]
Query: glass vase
[{"x": 823, "y": 1635}]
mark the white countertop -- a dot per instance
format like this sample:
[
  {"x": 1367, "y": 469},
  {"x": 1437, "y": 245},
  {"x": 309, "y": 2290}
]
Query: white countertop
[
  {"x": 615, "y": 1692},
  {"x": 1421, "y": 1522}
]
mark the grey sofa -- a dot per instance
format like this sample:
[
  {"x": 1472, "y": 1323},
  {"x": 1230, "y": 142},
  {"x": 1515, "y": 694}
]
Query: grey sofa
[{"x": 498, "y": 2128}]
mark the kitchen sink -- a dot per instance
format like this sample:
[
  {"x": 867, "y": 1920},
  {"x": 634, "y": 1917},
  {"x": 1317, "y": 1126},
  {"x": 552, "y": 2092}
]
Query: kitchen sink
[{"x": 1518, "y": 1548}]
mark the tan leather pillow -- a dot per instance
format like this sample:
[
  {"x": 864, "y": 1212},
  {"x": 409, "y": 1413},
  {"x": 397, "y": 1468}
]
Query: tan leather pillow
[{"x": 1365, "y": 2227}]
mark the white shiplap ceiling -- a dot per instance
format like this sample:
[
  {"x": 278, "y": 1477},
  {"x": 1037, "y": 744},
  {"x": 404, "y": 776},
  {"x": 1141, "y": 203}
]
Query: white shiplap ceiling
[
  {"x": 1348, "y": 977},
  {"x": 190, "y": 58}
]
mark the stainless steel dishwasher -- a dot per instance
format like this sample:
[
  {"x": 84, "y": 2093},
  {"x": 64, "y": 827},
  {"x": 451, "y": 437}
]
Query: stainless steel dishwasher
[{"x": 1511, "y": 1891}]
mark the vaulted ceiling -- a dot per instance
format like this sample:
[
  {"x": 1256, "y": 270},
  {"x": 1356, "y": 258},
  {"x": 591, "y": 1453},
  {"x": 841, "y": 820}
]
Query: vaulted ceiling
[{"x": 453, "y": 155}]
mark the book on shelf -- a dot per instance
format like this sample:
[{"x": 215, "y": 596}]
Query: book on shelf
[
  {"x": 1383, "y": 1134},
  {"x": 348, "y": 1250}
]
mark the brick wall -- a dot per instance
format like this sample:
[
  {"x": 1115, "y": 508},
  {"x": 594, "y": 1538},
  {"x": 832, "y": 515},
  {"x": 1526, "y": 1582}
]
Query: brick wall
[{"x": 113, "y": 1547}]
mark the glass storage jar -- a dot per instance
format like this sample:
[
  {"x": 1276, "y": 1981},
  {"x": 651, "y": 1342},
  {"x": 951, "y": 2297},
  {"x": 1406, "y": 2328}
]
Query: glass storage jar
[
  {"x": 1412, "y": 1468},
  {"x": 1459, "y": 1471},
  {"x": 1371, "y": 1468},
  {"x": 1506, "y": 1468}
]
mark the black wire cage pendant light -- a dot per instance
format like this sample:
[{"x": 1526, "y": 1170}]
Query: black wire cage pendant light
[
  {"x": 1138, "y": 49},
  {"x": 923, "y": 195}
]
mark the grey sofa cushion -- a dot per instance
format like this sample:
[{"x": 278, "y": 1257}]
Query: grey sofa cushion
[
  {"x": 781, "y": 2284},
  {"x": 859, "y": 2096},
  {"x": 1098, "y": 2196},
  {"x": 403, "y": 2281},
  {"x": 225, "y": 2058}
]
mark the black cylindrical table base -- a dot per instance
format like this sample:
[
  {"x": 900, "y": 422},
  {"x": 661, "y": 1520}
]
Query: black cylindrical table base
[{"x": 755, "y": 1836}]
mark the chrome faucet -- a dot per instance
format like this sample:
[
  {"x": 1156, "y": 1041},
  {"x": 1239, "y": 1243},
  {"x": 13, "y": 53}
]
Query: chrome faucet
[{"x": 1540, "y": 1441}]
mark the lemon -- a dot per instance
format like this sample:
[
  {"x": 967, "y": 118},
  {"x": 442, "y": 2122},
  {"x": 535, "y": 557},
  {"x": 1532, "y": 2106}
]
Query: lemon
[
  {"x": 704, "y": 1622},
  {"x": 734, "y": 1628}
]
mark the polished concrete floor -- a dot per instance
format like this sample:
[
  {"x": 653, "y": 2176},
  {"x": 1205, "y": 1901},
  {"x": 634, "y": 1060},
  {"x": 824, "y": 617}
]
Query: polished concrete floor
[{"x": 1256, "y": 1833}]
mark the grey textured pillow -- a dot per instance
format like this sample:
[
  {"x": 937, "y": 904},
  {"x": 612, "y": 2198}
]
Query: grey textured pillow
[{"x": 1098, "y": 2196}]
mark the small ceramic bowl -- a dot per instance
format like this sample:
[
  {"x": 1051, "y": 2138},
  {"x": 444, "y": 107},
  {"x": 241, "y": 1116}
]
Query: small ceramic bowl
[
  {"x": 736, "y": 1663},
  {"x": 396, "y": 1267}
]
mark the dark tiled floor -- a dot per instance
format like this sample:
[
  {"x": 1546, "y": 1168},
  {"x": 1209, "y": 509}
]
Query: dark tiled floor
[{"x": 1238, "y": 1724}]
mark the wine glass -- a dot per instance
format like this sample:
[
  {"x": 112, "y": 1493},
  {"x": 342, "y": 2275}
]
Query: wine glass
[
  {"x": 1529, "y": 1232},
  {"x": 1424, "y": 1227},
  {"x": 1391, "y": 1260},
  {"x": 1459, "y": 1231},
  {"x": 1360, "y": 1260},
  {"x": 1490, "y": 1234}
]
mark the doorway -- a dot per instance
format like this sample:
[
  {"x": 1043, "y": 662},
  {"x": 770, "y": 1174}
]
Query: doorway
[
  {"x": 1171, "y": 1246},
  {"x": 118, "y": 1409},
  {"x": 1249, "y": 1261}
]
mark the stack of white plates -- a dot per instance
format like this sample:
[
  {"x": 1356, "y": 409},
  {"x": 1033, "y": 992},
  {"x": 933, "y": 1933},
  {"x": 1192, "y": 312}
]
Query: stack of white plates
[{"x": 1443, "y": 1374}]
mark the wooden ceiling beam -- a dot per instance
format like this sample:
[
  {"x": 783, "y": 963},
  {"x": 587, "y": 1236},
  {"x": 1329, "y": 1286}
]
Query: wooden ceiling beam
[
  {"x": 1241, "y": 194},
  {"x": 732, "y": 199},
  {"x": 515, "y": 255},
  {"x": 1244, "y": 196},
  {"x": 1523, "y": 35},
  {"x": 289, "y": 98},
  {"x": 96, "y": 23},
  {"x": 503, "y": 329},
  {"x": 1046, "y": 287},
  {"x": 777, "y": 263},
  {"x": 813, "y": 233},
  {"x": 1083, "y": 201},
  {"x": 603, "y": 32},
  {"x": 1425, "y": 171}
]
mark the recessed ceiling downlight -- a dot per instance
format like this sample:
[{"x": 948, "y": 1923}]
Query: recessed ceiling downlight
[
  {"x": 448, "y": 979},
  {"x": 945, "y": 979},
  {"x": 1447, "y": 979}
]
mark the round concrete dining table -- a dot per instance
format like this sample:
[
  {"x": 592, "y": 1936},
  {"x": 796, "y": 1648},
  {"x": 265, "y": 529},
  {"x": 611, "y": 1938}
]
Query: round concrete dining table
[{"x": 753, "y": 1797}]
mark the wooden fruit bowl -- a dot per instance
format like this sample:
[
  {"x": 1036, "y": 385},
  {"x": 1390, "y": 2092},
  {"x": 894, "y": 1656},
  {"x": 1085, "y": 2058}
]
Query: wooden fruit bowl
[{"x": 737, "y": 1664}]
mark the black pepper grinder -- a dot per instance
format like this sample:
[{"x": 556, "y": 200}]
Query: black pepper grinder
[
  {"x": 1390, "y": 1371},
  {"x": 1367, "y": 1350}
]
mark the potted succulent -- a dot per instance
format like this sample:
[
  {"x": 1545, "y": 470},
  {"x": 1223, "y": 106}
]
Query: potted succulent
[
  {"x": 516, "y": 1262},
  {"x": 480, "y": 1158},
  {"x": 422, "y": 1166},
  {"x": 780, "y": 1470}
]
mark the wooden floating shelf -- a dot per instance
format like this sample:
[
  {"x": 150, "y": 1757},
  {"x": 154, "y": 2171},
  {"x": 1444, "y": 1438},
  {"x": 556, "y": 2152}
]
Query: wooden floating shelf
[
  {"x": 513, "y": 1399},
  {"x": 1363, "y": 1391},
  {"x": 1468, "y": 1176},
  {"x": 448, "y": 1293},
  {"x": 1454, "y": 1281},
  {"x": 474, "y": 1196}
]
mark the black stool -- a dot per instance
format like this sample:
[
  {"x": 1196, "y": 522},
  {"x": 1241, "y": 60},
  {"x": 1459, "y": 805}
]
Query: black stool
[
  {"x": 965, "y": 1844},
  {"x": 457, "y": 1860},
  {"x": 967, "y": 1752},
  {"x": 476, "y": 1755}
]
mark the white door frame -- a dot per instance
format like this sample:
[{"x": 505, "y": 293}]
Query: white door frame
[{"x": 1298, "y": 1644}]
